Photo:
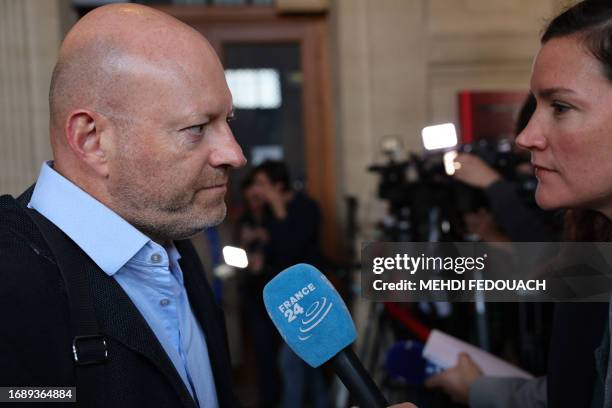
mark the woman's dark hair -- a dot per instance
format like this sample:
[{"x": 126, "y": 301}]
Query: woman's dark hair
[
  {"x": 525, "y": 114},
  {"x": 277, "y": 171},
  {"x": 591, "y": 21},
  {"x": 587, "y": 226}
]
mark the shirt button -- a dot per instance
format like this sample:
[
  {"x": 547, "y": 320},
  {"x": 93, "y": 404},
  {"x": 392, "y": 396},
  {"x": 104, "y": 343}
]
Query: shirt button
[
  {"x": 156, "y": 258},
  {"x": 164, "y": 302}
]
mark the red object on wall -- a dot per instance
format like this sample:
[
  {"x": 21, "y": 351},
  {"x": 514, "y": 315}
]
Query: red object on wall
[
  {"x": 490, "y": 114},
  {"x": 408, "y": 320}
]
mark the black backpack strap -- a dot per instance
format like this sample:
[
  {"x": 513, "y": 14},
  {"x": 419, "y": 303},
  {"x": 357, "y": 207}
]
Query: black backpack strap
[{"x": 89, "y": 348}]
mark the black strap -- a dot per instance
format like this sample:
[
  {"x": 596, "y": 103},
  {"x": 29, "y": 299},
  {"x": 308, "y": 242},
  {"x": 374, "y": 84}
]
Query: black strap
[{"x": 89, "y": 348}]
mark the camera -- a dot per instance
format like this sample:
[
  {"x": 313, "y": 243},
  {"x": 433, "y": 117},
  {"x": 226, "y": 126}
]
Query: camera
[{"x": 425, "y": 202}]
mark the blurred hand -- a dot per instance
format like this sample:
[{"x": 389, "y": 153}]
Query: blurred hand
[
  {"x": 270, "y": 194},
  {"x": 274, "y": 198},
  {"x": 457, "y": 380},
  {"x": 474, "y": 171}
]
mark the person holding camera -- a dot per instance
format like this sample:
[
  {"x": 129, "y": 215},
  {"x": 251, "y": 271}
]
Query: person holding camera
[{"x": 510, "y": 216}]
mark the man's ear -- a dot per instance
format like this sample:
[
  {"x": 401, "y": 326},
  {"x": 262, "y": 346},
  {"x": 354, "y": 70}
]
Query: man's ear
[{"x": 85, "y": 134}]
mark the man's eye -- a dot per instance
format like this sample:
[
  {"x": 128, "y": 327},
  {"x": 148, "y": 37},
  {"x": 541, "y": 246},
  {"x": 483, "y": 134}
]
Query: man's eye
[
  {"x": 197, "y": 129},
  {"x": 560, "y": 107}
]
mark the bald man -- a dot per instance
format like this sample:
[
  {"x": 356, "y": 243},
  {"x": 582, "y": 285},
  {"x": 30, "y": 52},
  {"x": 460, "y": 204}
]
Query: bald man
[{"x": 99, "y": 286}]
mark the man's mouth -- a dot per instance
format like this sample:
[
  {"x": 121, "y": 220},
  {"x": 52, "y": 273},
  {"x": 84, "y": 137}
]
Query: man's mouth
[{"x": 221, "y": 186}]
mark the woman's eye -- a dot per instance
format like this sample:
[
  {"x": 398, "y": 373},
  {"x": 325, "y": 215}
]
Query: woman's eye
[{"x": 560, "y": 107}]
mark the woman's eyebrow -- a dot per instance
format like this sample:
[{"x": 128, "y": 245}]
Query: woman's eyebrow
[{"x": 548, "y": 93}]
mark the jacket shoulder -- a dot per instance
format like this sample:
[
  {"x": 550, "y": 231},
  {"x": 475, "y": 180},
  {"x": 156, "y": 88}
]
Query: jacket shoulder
[
  {"x": 33, "y": 304},
  {"x": 14, "y": 222},
  {"x": 23, "y": 251}
]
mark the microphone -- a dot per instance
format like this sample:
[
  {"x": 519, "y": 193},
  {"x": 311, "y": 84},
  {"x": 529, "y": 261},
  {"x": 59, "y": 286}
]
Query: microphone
[{"x": 314, "y": 321}]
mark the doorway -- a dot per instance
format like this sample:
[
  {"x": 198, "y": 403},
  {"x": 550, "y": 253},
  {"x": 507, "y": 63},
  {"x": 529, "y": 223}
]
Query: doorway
[{"x": 259, "y": 42}]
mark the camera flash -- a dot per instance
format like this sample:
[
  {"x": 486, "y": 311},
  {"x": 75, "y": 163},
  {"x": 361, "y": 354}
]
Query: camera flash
[
  {"x": 234, "y": 256},
  {"x": 439, "y": 136}
]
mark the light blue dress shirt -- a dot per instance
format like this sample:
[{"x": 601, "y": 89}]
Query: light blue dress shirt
[{"x": 148, "y": 272}]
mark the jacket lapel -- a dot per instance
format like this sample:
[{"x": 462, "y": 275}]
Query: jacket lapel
[{"x": 210, "y": 317}]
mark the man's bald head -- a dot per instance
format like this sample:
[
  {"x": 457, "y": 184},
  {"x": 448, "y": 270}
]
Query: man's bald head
[
  {"x": 139, "y": 110},
  {"x": 107, "y": 49}
]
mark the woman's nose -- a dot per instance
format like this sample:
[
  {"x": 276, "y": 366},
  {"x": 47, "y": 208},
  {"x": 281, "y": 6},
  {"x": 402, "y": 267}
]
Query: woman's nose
[{"x": 532, "y": 137}]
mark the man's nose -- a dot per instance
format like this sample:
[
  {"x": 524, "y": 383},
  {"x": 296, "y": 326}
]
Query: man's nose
[{"x": 227, "y": 152}]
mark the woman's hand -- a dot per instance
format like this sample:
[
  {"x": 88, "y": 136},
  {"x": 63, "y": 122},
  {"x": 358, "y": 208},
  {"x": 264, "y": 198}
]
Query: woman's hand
[{"x": 457, "y": 380}]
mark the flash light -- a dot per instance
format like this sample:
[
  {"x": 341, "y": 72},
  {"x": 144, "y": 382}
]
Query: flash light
[
  {"x": 236, "y": 257},
  {"x": 442, "y": 136}
]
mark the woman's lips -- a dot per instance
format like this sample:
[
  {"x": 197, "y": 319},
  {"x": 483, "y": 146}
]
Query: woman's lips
[{"x": 541, "y": 170}]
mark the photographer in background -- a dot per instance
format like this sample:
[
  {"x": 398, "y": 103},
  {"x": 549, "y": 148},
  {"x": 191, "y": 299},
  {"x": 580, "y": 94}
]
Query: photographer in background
[
  {"x": 253, "y": 237},
  {"x": 293, "y": 227},
  {"x": 516, "y": 220}
]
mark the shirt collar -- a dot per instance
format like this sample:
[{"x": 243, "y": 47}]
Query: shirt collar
[{"x": 109, "y": 240}]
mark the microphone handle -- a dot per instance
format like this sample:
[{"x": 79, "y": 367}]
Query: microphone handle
[{"x": 355, "y": 378}]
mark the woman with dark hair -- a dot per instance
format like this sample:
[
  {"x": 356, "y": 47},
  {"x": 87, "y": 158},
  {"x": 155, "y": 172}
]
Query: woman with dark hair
[{"x": 570, "y": 139}]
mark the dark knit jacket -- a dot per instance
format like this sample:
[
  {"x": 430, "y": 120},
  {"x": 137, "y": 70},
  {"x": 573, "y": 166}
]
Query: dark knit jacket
[{"x": 35, "y": 331}]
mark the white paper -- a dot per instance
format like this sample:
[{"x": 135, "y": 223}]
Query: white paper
[{"x": 443, "y": 350}]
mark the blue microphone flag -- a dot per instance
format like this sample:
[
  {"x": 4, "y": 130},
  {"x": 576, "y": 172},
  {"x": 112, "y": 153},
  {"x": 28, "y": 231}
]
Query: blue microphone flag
[{"x": 309, "y": 313}]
